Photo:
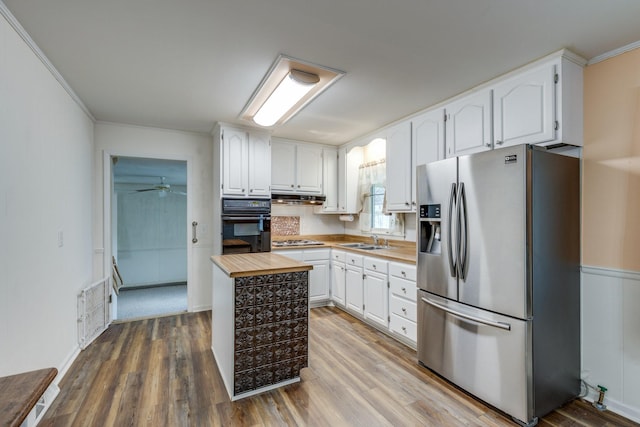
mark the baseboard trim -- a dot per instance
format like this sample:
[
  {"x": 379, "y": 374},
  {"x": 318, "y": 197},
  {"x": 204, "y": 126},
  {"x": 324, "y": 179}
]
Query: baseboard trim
[
  {"x": 619, "y": 408},
  {"x": 66, "y": 364}
]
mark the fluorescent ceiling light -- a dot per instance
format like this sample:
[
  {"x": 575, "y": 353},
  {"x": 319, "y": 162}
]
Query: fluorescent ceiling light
[
  {"x": 291, "y": 89},
  {"x": 289, "y": 85}
]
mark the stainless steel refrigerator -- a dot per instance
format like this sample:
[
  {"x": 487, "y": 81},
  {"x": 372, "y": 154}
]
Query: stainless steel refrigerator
[{"x": 498, "y": 277}]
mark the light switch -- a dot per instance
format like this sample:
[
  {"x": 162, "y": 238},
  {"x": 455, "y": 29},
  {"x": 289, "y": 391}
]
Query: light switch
[{"x": 60, "y": 238}]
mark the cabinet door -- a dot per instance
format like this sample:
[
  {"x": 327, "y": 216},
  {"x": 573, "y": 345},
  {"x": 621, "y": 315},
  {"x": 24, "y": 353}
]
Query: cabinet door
[
  {"x": 398, "y": 162},
  {"x": 259, "y": 165},
  {"x": 353, "y": 289},
  {"x": 427, "y": 143},
  {"x": 309, "y": 169},
  {"x": 283, "y": 167},
  {"x": 338, "y": 283},
  {"x": 524, "y": 108},
  {"x": 330, "y": 179},
  {"x": 319, "y": 281},
  {"x": 468, "y": 126},
  {"x": 234, "y": 162},
  {"x": 376, "y": 298}
]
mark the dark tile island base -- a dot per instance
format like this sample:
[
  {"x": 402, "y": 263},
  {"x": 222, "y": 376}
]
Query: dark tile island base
[{"x": 263, "y": 319}]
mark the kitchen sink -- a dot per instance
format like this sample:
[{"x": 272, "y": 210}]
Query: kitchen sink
[{"x": 363, "y": 246}]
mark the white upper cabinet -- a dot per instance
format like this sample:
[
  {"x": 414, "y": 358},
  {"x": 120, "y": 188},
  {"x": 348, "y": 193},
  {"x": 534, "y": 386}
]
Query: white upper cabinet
[
  {"x": 283, "y": 170},
  {"x": 524, "y": 108},
  {"x": 398, "y": 165},
  {"x": 427, "y": 143},
  {"x": 540, "y": 105},
  {"x": 259, "y": 165},
  {"x": 244, "y": 170},
  {"x": 296, "y": 167},
  {"x": 330, "y": 179},
  {"x": 309, "y": 168},
  {"x": 468, "y": 125}
]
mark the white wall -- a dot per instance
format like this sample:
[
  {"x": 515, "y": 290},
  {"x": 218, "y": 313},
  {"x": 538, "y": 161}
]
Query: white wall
[
  {"x": 196, "y": 150},
  {"x": 151, "y": 230},
  {"x": 611, "y": 336},
  {"x": 46, "y": 157}
]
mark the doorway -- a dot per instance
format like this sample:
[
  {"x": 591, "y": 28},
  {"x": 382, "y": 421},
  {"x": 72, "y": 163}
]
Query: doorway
[{"x": 148, "y": 235}]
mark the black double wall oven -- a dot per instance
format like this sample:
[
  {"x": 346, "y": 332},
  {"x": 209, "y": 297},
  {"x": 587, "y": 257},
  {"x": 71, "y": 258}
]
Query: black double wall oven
[{"x": 246, "y": 225}]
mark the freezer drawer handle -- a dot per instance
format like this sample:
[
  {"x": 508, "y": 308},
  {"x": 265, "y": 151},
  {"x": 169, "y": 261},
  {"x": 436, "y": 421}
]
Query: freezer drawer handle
[{"x": 501, "y": 325}]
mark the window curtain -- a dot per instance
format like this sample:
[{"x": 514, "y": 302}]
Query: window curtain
[{"x": 369, "y": 174}]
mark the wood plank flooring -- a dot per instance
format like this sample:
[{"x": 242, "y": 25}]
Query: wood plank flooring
[{"x": 161, "y": 372}]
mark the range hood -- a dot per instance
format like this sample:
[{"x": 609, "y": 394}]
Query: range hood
[{"x": 296, "y": 199}]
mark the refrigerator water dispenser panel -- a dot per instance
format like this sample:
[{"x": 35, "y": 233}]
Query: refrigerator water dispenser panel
[{"x": 430, "y": 211}]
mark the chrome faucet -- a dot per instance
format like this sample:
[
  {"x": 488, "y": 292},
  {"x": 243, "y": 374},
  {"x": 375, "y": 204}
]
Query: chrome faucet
[{"x": 375, "y": 239}]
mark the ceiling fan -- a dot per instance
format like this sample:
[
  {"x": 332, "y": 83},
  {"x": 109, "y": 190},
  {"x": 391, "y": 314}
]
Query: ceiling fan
[{"x": 162, "y": 188}]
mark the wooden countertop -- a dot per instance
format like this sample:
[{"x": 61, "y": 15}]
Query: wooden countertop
[
  {"x": 255, "y": 264},
  {"x": 20, "y": 393},
  {"x": 399, "y": 251}
]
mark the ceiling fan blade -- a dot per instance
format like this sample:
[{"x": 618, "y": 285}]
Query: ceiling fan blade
[
  {"x": 182, "y": 193},
  {"x": 146, "y": 189}
]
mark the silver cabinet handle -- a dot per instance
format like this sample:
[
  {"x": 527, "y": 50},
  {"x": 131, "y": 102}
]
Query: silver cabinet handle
[
  {"x": 498, "y": 142},
  {"x": 404, "y": 329},
  {"x": 291, "y": 185},
  {"x": 251, "y": 190},
  {"x": 404, "y": 310},
  {"x": 406, "y": 203},
  {"x": 464, "y": 227},
  {"x": 194, "y": 226},
  {"x": 501, "y": 325},
  {"x": 404, "y": 290},
  {"x": 374, "y": 267},
  {"x": 488, "y": 144}
]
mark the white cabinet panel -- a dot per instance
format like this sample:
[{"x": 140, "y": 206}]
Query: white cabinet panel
[
  {"x": 283, "y": 171},
  {"x": 259, "y": 165},
  {"x": 319, "y": 281},
  {"x": 330, "y": 179},
  {"x": 403, "y": 307},
  {"x": 398, "y": 164},
  {"x": 354, "y": 289},
  {"x": 524, "y": 108},
  {"x": 427, "y": 143},
  {"x": 376, "y": 294},
  {"x": 296, "y": 167},
  {"x": 338, "y": 278},
  {"x": 468, "y": 126},
  {"x": 309, "y": 169}
]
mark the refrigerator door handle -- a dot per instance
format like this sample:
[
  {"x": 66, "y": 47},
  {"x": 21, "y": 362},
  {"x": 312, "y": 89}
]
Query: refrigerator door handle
[
  {"x": 452, "y": 262},
  {"x": 464, "y": 232},
  {"x": 501, "y": 325}
]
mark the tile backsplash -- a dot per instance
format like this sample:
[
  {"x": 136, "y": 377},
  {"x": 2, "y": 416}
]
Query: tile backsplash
[{"x": 285, "y": 225}]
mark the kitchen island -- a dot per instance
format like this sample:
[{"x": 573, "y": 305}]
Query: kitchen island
[{"x": 260, "y": 315}]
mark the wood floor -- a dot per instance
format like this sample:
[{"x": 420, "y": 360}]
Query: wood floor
[{"x": 161, "y": 372}]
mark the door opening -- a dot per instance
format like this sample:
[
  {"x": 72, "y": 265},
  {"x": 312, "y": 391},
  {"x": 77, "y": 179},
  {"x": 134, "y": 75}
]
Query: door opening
[{"x": 148, "y": 235}]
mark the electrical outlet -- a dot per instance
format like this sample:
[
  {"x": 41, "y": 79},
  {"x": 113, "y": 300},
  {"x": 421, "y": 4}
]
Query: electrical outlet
[{"x": 60, "y": 238}]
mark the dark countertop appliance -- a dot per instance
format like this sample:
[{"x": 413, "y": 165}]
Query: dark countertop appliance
[{"x": 246, "y": 225}]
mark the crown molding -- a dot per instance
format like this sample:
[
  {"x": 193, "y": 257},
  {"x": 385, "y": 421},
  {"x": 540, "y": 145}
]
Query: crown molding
[
  {"x": 614, "y": 52},
  {"x": 6, "y": 13}
]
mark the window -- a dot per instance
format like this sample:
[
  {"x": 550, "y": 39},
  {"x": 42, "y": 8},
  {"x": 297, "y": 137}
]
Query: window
[{"x": 378, "y": 219}]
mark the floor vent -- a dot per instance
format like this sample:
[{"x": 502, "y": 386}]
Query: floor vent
[{"x": 93, "y": 311}]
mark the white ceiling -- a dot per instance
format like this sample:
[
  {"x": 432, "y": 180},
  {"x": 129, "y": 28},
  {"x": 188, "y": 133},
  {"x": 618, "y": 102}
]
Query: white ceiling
[{"x": 187, "y": 64}]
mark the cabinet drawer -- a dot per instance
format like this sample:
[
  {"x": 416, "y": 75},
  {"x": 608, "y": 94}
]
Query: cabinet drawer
[
  {"x": 403, "y": 288},
  {"x": 316, "y": 254},
  {"x": 403, "y": 307},
  {"x": 376, "y": 264},
  {"x": 404, "y": 271},
  {"x": 352, "y": 259},
  {"x": 338, "y": 255},
  {"x": 403, "y": 327}
]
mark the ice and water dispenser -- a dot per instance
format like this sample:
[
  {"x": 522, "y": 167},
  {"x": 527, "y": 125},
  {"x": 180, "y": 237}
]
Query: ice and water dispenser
[{"x": 430, "y": 230}]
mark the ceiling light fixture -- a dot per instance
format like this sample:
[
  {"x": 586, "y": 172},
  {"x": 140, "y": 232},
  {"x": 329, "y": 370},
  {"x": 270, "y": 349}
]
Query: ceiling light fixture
[{"x": 289, "y": 85}]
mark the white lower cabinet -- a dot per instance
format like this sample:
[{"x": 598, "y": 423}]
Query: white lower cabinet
[
  {"x": 380, "y": 292},
  {"x": 338, "y": 282},
  {"x": 402, "y": 301},
  {"x": 354, "y": 284},
  {"x": 376, "y": 293}
]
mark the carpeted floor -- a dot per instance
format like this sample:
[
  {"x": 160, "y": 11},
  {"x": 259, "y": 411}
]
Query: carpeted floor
[{"x": 135, "y": 303}]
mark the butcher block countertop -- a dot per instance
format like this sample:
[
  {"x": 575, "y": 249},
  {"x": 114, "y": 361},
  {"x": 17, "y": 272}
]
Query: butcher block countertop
[{"x": 254, "y": 264}]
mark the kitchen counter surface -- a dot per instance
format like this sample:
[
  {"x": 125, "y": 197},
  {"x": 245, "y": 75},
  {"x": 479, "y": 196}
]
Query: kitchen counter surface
[
  {"x": 254, "y": 264},
  {"x": 400, "y": 251}
]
